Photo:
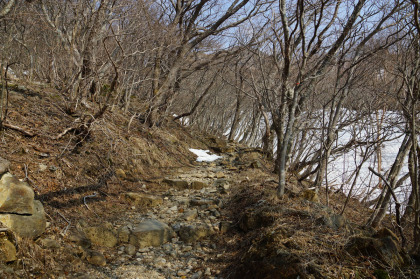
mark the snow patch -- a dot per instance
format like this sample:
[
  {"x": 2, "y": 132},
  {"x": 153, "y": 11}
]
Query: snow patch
[{"x": 204, "y": 155}]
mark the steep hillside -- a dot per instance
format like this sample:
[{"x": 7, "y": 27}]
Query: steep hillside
[{"x": 126, "y": 201}]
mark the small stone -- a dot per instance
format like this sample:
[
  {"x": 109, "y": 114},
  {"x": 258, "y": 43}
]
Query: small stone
[
  {"x": 49, "y": 243},
  {"x": 187, "y": 249},
  {"x": 124, "y": 234},
  {"x": 95, "y": 258},
  {"x": 215, "y": 213},
  {"x": 7, "y": 251},
  {"x": 208, "y": 271},
  {"x": 53, "y": 168},
  {"x": 176, "y": 227},
  {"x": 130, "y": 249},
  {"x": 181, "y": 273},
  {"x": 120, "y": 174},
  {"x": 42, "y": 167},
  {"x": 190, "y": 215},
  {"x": 197, "y": 275},
  {"x": 144, "y": 250}
]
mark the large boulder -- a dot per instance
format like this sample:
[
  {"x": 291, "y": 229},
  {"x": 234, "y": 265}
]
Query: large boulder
[
  {"x": 31, "y": 226},
  {"x": 15, "y": 196},
  {"x": 151, "y": 233}
]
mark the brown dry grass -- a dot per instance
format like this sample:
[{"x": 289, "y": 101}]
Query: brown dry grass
[{"x": 80, "y": 166}]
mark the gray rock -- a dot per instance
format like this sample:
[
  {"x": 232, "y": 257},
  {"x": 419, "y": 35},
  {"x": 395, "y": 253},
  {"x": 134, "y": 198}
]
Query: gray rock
[
  {"x": 4, "y": 165},
  {"x": 151, "y": 233},
  {"x": 190, "y": 215},
  {"x": 143, "y": 200},
  {"x": 130, "y": 249},
  {"x": 95, "y": 258},
  {"x": 15, "y": 196},
  {"x": 192, "y": 233},
  {"x": 42, "y": 167},
  {"x": 30, "y": 226},
  {"x": 49, "y": 243}
]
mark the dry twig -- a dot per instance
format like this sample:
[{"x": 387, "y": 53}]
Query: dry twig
[{"x": 64, "y": 231}]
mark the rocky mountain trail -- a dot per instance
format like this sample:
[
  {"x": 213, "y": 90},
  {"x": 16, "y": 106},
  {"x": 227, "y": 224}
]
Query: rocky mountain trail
[{"x": 168, "y": 235}]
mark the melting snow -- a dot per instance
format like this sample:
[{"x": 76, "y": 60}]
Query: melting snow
[{"x": 204, "y": 155}]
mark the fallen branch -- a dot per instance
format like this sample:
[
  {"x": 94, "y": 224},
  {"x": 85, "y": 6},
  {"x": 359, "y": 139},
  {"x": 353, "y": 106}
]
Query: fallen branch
[
  {"x": 397, "y": 204},
  {"x": 19, "y": 129},
  {"x": 90, "y": 196},
  {"x": 62, "y": 134},
  {"x": 82, "y": 125}
]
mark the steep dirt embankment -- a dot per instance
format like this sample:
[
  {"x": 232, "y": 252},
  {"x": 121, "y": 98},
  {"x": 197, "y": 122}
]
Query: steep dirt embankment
[{"x": 123, "y": 201}]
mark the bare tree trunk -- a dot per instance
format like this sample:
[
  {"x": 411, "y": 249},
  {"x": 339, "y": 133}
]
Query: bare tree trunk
[{"x": 382, "y": 205}]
